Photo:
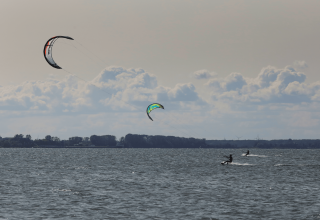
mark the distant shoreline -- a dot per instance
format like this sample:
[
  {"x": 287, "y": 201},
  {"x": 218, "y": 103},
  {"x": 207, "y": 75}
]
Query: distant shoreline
[{"x": 154, "y": 141}]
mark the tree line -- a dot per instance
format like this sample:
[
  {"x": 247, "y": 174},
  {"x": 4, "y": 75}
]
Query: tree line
[
  {"x": 19, "y": 140},
  {"x": 149, "y": 141}
]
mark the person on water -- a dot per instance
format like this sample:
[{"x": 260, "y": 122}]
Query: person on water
[
  {"x": 247, "y": 153},
  {"x": 229, "y": 159}
]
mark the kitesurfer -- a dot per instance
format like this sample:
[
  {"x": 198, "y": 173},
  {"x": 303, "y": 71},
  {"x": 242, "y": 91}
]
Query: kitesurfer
[
  {"x": 229, "y": 159},
  {"x": 247, "y": 153}
]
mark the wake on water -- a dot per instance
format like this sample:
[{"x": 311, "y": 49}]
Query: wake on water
[
  {"x": 242, "y": 164},
  {"x": 239, "y": 164},
  {"x": 298, "y": 165},
  {"x": 253, "y": 155}
]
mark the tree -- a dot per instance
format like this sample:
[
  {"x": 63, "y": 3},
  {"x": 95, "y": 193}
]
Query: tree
[
  {"x": 75, "y": 140},
  {"x": 121, "y": 141},
  {"x": 103, "y": 140},
  {"x": 55, "y": 139},
  {"x": 28, "y": 136},
  {"x": 6, "y": 144},
  {"x": 18, "y": 136},
  {"x": 48, "y": 137}
]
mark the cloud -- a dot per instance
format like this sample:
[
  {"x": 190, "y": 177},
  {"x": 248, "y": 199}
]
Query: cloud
[
  {"x": 113, "y": 89},
  {"x": 300, "y": 64},
  {"x": 203, "y": 74},
  {"x": 277, "y": 103},
  {"x": 272, "y": 85},
  {"x": 182, "y": 92}
]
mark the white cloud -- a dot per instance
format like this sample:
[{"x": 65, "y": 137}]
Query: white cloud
[
  {"x": 272, "y": 85},
  {"x": 278, "y": 103},
  {"x": 114, "y": 89},
  {"x": 300, "y": 64},
  {"x": 203, "y": 74}
]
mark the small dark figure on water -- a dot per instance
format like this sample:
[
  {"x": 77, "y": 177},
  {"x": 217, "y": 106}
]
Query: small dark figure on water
[
  {"x": 229, "y": 159},
  {"x": 247, "y": 153}
]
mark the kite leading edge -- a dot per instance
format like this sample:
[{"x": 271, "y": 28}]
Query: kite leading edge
[
  {"x": 152, "y": 107},
  {"x": 47, "y": 50}
]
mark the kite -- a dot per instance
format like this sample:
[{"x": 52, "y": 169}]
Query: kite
[
  {"x": 153, "y": 106},
  {"x": 47, "y": 50}
]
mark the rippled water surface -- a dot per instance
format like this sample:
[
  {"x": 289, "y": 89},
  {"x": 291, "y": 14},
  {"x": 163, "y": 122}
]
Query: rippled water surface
[{"x": 159, "y": 184}]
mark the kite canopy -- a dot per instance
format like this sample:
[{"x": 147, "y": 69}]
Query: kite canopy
[
  {"x": 153, "y": 106},
  {"x": 47, "y": 50}
]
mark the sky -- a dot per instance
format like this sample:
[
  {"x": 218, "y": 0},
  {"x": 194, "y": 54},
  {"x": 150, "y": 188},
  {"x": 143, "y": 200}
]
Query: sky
[{"x": 225, "y": 69}]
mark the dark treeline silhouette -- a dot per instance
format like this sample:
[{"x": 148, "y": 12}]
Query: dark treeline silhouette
[
  {"x": 149, "y": 141},
  {"x": 266, "y": 144},
  {"x": 49, "y": 141}
]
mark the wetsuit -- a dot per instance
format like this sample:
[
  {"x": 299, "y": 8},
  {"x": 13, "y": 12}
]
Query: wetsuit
[
  {"x": 247, "y": 153},
  {"x": 229, "y": 161}
]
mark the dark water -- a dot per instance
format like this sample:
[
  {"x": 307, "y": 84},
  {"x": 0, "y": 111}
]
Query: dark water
[{"x": 158, "y": 184}]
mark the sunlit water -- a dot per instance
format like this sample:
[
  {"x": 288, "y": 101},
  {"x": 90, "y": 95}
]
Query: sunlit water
[{"x": 159, "y": 184}]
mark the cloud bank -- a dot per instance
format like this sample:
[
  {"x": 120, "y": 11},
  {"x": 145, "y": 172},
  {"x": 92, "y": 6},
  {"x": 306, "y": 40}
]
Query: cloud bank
[
  {"x": 114, "y": 89},
  {"x": 277, "y": 103},
  {"x": 272, "y": 85}
]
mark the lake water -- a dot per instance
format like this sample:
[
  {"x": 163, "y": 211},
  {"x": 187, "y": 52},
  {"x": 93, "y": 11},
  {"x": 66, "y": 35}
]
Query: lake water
[{"x": 159, "y": 184}]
